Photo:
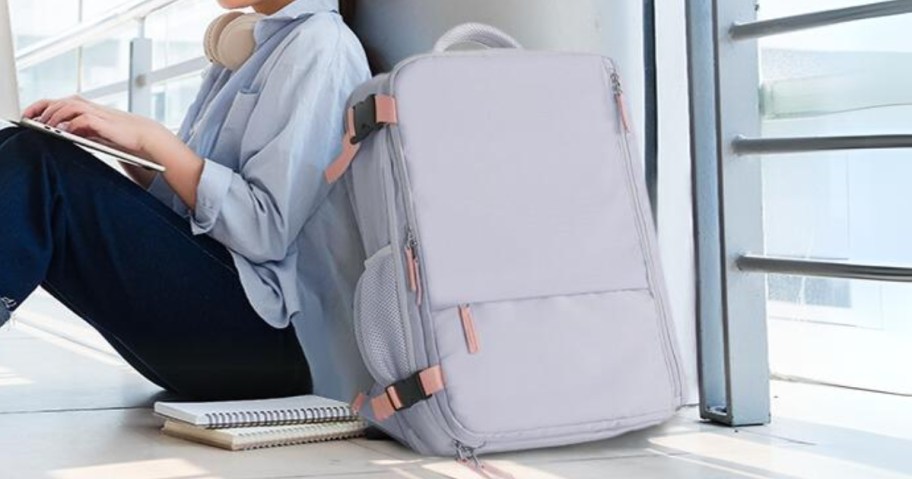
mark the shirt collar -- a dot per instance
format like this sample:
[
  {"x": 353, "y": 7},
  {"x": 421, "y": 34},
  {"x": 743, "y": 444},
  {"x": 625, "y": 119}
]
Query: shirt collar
[{"x": 266, "y": 27}]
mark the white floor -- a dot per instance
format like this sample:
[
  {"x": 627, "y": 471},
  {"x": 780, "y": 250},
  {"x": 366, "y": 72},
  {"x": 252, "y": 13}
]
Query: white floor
[{"x": 71, "y": 409}]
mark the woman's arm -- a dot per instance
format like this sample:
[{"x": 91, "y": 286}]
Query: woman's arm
[
  {"x": 132, "y": 133},
  {"x": 292, "y": 134},
  {"x": 139, "y": 175}
]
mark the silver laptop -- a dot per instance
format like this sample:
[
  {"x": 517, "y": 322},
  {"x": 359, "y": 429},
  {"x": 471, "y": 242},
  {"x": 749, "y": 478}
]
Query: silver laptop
[{"x": 9, "y": 100}]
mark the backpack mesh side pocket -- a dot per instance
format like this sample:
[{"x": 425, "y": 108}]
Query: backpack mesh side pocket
[{"x": 378, "y": 319}]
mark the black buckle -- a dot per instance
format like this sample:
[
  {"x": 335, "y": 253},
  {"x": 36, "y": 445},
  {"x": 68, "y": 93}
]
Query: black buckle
[
  {"x": 409, "y": 391},
  {"x": 366, "y": 119}
]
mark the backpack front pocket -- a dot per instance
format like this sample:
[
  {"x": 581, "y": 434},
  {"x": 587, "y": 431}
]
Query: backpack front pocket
[{"x": 555, "y": 363}]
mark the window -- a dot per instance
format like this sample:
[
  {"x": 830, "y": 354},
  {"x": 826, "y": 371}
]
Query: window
[
  {"x": 171, "y": 99},
  {"x": 844, "y": 79},
  {"x": 99, "y": 66},
  {"x": 107, "y": 60},
  {"x": 52, "y": 78},
  {"x": 98, "y": 8},
  {"x": 32, "y": 24},
  {"x": 177, "y": 31},
  {"x": 802, "y": 210}
]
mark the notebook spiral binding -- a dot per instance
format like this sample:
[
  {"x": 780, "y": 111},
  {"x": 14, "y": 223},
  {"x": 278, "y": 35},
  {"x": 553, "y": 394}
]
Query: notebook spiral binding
[{"x": 279, "y": 417}]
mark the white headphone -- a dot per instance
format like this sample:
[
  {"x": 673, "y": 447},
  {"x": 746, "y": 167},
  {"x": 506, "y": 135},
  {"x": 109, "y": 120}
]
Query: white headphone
[{"x": 229, "y": 39}]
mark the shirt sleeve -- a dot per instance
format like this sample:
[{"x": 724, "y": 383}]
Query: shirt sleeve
[{"x": 293, "y": 133}]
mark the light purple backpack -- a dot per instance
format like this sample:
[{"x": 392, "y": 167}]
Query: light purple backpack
[{"x": 513, "y": 296}]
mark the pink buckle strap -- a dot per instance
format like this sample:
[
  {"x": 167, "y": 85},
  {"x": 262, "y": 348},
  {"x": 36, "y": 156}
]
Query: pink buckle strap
[
  {"x": 358, "y": 404},
  {"x": 385, "y": 113},
  {"x": 338, "y": 167},
  {"x": 430, "y": 381},
  {"x": 382, "y": 407}
]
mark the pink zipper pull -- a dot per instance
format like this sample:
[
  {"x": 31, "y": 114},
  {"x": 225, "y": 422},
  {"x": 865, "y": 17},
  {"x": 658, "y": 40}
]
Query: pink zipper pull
[
  {"x": 417, "y": 282},
  {"x": 468, "y": 327},
  {"x": 414, "y": 267},
  {"x": 621, "y": 101},
  {"x": 622, "y": 104}
]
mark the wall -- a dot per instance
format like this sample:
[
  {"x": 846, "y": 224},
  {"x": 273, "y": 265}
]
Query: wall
[
  {"x": 395, "y": 29},
  {"x": 675, "y": 218}
]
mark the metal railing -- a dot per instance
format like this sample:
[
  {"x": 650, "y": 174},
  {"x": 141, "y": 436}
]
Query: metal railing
[
  {"x": 767, "y": 146},
  {"x": 728, "y": 196},
  {"x": 777, "y": 26},
  {"x": 742, "y": 145},
  {"x": 824, "y": 268}
]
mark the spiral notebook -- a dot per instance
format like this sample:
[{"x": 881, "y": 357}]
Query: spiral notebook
[
  {"x": 241, "y": 439},
  {"x": 264, "y": 412}
]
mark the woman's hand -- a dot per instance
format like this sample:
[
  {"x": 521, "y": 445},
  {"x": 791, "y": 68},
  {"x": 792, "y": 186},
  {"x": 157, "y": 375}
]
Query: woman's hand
[
  {"x": 118, "y": 129},
  {"x": 127, "y": 132}
]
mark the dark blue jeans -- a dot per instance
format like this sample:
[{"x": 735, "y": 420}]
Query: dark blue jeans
[{"x": 169, "y": 302}]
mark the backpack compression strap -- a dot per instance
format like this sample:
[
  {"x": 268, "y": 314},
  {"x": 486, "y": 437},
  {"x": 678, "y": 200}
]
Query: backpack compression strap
[
  {"x": 408, "y": 392},
  {"x": 362, "y": 120}
]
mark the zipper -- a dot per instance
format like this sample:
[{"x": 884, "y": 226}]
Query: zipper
[
  {"x": 413, "y": 265},
  {"x": 675, "y": 369},
  {"x": 465, "y": 455},
  {"x": 399, "y": 169},
  {"x": 395, "y": 238},
  {"x": 621, "y": 104}
]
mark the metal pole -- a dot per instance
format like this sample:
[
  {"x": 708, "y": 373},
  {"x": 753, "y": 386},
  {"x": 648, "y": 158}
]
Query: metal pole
[
  {"x": 140, "y": 90},
  {"x": 751, "y": 146},
  {"x": 819, "y": 19},
  {"x": 651, "y": 153},
  {"x": 824, "y": 268}
]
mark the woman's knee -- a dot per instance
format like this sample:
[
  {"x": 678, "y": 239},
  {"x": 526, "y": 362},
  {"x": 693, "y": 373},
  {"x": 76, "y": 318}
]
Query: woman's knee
[
  {"x": 23, "y": 149},
  {"x": 21, "y": 145}
]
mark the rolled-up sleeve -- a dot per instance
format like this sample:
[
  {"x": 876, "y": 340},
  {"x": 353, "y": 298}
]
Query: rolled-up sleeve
[{"x": 292, "y": 134}]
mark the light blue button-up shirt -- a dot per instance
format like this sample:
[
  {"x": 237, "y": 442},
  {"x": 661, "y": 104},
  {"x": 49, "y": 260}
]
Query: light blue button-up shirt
[{"x": 267, "y": 132}]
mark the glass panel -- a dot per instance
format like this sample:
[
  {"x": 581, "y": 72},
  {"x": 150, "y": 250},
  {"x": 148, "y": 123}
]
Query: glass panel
[
  {"x": 848, "y": 79},
  {"x": 53, "y": 78},
  {"x": 92, "y": 9},
  {"x": 836, "y": 206},
  {"x": 120, "y": 101},
  {"x": 177, "y": 31},
  {"x": 865, "y": 345},
  {"x": 171, "y": 99},
  {"x": 844, "y": 79},
  {"x": 31, "y": 22},
  {"x": 107, "y": 60}
]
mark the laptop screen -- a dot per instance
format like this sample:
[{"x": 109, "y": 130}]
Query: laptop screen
[{"x": 9, "y": 91}]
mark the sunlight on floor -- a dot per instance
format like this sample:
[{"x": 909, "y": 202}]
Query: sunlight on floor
[
  {"x": 157, "y": 469},
  {"x": 768, "y": 459},
  {"x": 10, "y": 378},
  {"x": 73, "y": 347},
  {"x": 699, "y": 462},
  {"x": 454, "y": 470}
]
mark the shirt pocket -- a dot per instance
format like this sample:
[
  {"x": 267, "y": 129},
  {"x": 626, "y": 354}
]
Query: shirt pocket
[{"x": 235, "y": 125}]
